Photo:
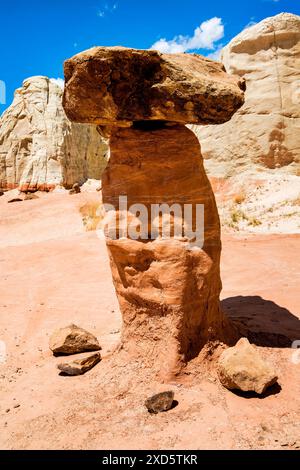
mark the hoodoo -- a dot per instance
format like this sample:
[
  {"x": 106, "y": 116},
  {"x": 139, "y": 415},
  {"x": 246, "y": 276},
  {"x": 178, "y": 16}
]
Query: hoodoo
[{"x": 168, "y": 286}]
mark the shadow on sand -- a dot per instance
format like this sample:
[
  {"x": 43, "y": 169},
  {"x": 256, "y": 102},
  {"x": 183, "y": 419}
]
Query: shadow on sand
[{"x": 263, "y": 322}]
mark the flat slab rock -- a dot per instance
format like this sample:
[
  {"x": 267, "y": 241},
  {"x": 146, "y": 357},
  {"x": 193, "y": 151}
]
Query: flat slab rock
[
  {"x": 160, "y": 402},
  {"x": 242, "y": 368},
  {"x": 80, "y": 366},
  {"x": 71, "y": 340},
  {"x": 117, "y": 85}
]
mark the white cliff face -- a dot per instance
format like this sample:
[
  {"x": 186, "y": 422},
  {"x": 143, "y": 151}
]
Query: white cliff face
[
  {"x": 40, "y": 148},
  {"x": 265, "y": 132}
]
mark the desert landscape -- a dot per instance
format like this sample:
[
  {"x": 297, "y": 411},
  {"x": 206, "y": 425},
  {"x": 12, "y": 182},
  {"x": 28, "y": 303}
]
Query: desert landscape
[{"x": 215, "y": 326}]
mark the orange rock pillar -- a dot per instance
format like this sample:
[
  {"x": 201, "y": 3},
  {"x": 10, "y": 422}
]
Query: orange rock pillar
[{"x": 168, "y": 290}]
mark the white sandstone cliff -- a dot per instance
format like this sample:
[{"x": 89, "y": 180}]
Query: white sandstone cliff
[
  {"x": 39, "y": 147},
  {"x": 265, "y": 132}
]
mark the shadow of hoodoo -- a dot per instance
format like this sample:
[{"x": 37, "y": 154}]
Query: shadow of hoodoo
[{"x": 264, "y": 322}]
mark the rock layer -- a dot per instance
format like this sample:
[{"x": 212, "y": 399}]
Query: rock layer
[
  {"x": 266, "y": 130},
  {"x": 166, "y": 290},
  {"x": 40, "y": 148},
  {"x": 115, "y": 85}
]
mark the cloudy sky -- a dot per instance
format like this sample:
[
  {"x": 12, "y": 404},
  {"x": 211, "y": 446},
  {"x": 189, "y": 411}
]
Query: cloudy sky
[{"x": 37, "y": 36}]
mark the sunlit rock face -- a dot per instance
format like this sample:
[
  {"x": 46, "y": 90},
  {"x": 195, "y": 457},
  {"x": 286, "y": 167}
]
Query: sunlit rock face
[
  {"x": 40, "y": 148},
  {"x": 265, "y": 132},
  {"x": 168, "y": 286}
]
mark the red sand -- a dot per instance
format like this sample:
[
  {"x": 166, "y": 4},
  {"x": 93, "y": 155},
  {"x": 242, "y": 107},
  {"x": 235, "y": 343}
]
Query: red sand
[{"x": 53, "y": 273}]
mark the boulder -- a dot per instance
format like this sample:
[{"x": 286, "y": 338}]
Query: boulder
[
  {"x": 265, "y": 132},
  {"x": 116, "y": 86},
  {"x": 242, "y": 368},
  {"x": 160, "y": 402},
  {"x": 79, "y": 366},
  {"x": 39, "y": 147},
  {"x": 72, "y": 340}
]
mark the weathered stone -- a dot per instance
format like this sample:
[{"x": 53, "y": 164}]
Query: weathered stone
[
  {"x": 39, "y": 147},
  {"x": 72, "y": 340},
  {"x": 265, "y": 132},
  {"x": 160, "y": 402},
  {"x": 80, "y": 366},
  {"x": 15, "y": 199},
  {"x": 75, "y": 189},
  {"x": 168, "y": 293},
  {"x": 116, "y": 86},
  {"x": 30, "y": 196},
  {"x": 242, "y": 368},
  {"x": 168, "y": 286}
]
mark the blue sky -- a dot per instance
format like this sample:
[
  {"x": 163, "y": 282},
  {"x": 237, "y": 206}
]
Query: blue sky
[{"x": 37, "y": 36}]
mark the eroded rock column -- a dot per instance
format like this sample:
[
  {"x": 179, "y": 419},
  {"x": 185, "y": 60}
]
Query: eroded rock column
[{"x": 168, "y": 287}]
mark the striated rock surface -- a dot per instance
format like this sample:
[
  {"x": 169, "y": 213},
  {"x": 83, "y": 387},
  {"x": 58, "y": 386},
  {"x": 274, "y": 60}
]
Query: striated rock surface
[
  {"x": 80, "y": 366},
  {"x": 168, "y": 284},
  {"x": 116, "y": 85},
  {"x": 266, "y": 129},
  {"x": 72, "y": 340},
  {"x": 168, "y": 292},
  {"x": 242, "y": 368},
  {"x": 39, "y": 147}
]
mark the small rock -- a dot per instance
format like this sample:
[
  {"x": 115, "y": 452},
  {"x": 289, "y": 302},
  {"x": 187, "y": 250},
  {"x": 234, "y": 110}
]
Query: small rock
[
  {"x": 30, "y": 196},
  {"x": 17, "y": 406},
  {"x": 7, "y": 410},
  {"x": 75, "y": 189},
  {"x": 242, "y": 368},
  {"x": 16, "y": 199},
  {"x": 72, "y": 340},
  {"x": 80, "y": 366},
  {"x": 160, "y": 402}
]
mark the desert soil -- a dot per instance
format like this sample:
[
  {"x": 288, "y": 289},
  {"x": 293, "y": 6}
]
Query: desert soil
[{"x": 54, "y": 273}]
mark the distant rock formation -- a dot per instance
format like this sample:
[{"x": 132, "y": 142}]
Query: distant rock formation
[
  {"x": 266, "y": 130},
  {"x": 40, "y": 148}
]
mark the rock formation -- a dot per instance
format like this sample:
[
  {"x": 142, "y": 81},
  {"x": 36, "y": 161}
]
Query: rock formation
[
  {"x": 266, "y": 130},
  {"x": 39, "y": 147},
  {"x": 168, "y": 286}
]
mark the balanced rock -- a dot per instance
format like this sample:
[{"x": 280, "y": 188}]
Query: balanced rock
[
  {"x": 72, "y": 340},
  {"x": 80, "y": 366},
  {"x": 160, "y": 402},
  {"x": 116, "y": 85},
  {"x": 265, "y": 131},
  {"x": 242, "y": 368},
  {"x": 39, "y": 147},
  {"x": 168, "y": 285}
]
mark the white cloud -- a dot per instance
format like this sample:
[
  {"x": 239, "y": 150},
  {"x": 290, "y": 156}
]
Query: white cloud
[
  {"x": 204, "y": 37},
  {"x": 216, "y": 55},
  {"x": 107, "y": 8},
  {"x": 59, "y": 81}
]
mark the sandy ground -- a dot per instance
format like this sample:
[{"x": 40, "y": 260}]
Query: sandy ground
[
  {"x": 259, "y": 202},
  {"x": 54, "y": 273}
]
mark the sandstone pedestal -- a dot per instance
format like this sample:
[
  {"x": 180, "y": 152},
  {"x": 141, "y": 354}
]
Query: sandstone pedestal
[{"x": 168, "y": 286}]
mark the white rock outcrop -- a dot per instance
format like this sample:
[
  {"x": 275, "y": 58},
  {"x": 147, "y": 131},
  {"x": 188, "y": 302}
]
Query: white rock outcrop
[
  {"x": 40, "y": 148},
  {"x": 265, "y": 132}
]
